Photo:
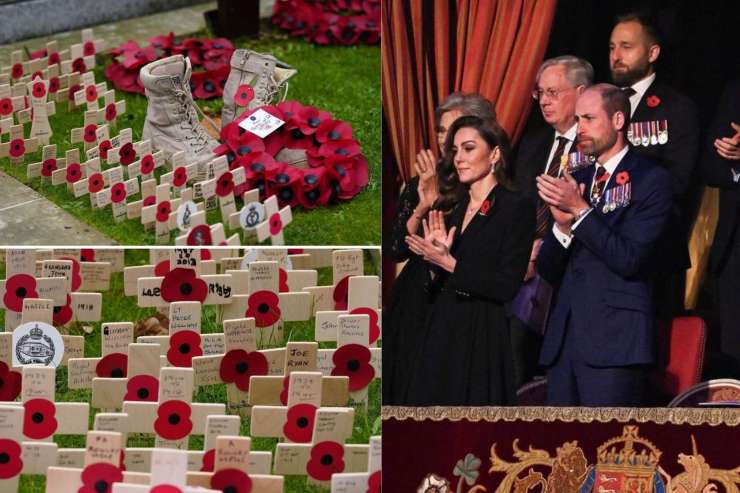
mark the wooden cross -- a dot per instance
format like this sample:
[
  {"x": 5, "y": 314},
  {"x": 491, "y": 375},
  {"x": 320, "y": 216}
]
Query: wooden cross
[
  {"x": 79, "y": 61},
  {"x": 94, "y": 275},
  {"x": 361, "y": 482},
  {"x": 12, "y": 100},
  {"x": 94, "y": 180},
  {"x": 18, "y": 146},
  {"x": 201, "y": 234},
  {"x": 221, "y": 186},
  {"x": 111, "y": 109},
  {"x": 11, "y": 426},
  {"x": 181, "y": 173},
  {"x": 113, "y": 363},
  {"x": 276, "y": 219},
  {"x": 345, "y": 264},
  {"x": 48, "y": 164},
  {"x": 126, "y": 152},
  {"x": 17, "y": 68},
  {"x": 116, "y": 193},
  {"x": 88, "y": 133},
  {"x": 90, "y": 92},
  {"x": 106, "y": 143},
  {"x": 147, "y": 161},
  {"x": 38, "y": 90},
  {"x": 363, "y": 298},
  {"x": 68, "y": 85},
  {"x": 162, "y": 213},
  {"x": 5, "y": 124},
  {"x": 90, "y": 45}
]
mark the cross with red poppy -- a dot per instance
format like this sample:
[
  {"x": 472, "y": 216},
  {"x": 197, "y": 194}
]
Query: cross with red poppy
[
  {"x": 88, "y": 133},
  {"x": 105, "y": 143},
  {"x": 70, "y": 170},
  {"x": 221, "y": 186},
  {"x": 201, "y": 234},
  {"x": 363, "y": 298},
  {"x": 232, "y": 472},
  {"x": 11, "y": 448},
  {"x": 147, "y": 161},
  {"x": 275, "y": 221},
  {"x": 345, "y": 264},
  {"x": 63, "y": 86},
  {"x": 90, "y": 45},
  {"x": 79, "y": 60},
  {"x": 40, "y": 110},
  {"x": 365, "y": 482},
  {"x": 18, "y": 146},
  {"x": 181, "y": 173},
  {"x": 48, "y": 164},
  {"x": 12, "y": 100},
  {"x": 90, "y": 92},
  {"x": 116, "y": 337},
  {"x": 141, "y": 381},
  {"x": 111, "y": 109},
  {"x": 74, "y": 306},
  {"x": 93, "y": 180},
  {"x": 116, "y": 193},
  {"x": 162, "y": 213},
  {"x": 17, "y": 67}
]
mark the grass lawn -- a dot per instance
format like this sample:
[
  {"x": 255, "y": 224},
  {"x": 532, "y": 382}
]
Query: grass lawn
[
  {"x": 117, "y": 307},
  {"x": 342, "y": 80}
]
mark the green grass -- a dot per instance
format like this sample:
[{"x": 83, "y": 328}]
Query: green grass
[
  {"x": 117, "y": 307},
  {"x": 342, "y": 80}
]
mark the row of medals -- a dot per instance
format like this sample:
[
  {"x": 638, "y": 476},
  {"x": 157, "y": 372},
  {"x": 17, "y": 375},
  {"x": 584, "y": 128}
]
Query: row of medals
[{"x": 648, "y": 133}]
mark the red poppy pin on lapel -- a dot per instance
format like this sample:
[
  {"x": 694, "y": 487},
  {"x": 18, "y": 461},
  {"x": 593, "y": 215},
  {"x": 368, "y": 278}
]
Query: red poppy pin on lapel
[
  {"x": 622, "y": 177},
  {"x": 652, "y": 101},
  {"x": 485, "y": 207}
]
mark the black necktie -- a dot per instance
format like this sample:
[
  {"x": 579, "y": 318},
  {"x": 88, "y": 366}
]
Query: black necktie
[
  {"x": 629, "y": 91},
  {"x": 599, "y": 183},
  {"x": 543, "y": 210}
]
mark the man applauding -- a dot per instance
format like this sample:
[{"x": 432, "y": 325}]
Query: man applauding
[{"x": 600, "y": 338}]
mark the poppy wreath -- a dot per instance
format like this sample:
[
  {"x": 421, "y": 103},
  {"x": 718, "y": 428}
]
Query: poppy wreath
[
  {"x": 99, "y": 478},
  {"x": 238, "y": 365},
  {"x": 11, "y": 461},
  {"x": 212, "y": 55},
  {"x": 142, "y": 388},
  {"x": 337, "y": 169},
  {"x": 323, "y": 22}
]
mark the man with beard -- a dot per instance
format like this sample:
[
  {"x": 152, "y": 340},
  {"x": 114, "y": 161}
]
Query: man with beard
[
  {"x": 600, "y": 338},
  {"x": 665, "y": 129},
  {"x": 558, "y": 84}
]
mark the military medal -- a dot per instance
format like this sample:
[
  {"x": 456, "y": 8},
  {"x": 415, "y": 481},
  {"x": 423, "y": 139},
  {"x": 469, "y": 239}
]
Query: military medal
[
  {"x": 645, "y": 140},
  {"x": 631, "y": 133},
  {"x": 653, "y": 133},
  {"x": 663, "y": 132}
]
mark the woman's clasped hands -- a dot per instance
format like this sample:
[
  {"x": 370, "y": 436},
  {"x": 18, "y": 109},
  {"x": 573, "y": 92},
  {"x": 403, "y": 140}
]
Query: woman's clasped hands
[{"x": 435, "y": 246}]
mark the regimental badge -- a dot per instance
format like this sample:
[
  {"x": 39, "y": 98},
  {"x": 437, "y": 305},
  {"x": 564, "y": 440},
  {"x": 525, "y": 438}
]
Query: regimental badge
[{"x": 35, "y": 348}]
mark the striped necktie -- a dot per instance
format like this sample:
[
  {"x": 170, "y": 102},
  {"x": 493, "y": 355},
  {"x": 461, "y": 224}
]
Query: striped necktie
[{"x": 543, "y": 210}]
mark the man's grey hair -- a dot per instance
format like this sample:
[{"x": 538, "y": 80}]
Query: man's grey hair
[
  {"x": 578, "y": 71},
  {"x": 469, "y": 104}
]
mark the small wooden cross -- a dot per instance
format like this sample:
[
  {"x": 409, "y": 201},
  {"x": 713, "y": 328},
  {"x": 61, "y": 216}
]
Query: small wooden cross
[
  {"x": 147, "y": 161},
  {"x": 90, "y": 92},
  {"x": 221, "y": 186},
  {"x": 117, "y": 193},
  {"x": 111, "y": 109},
  {"x": 361, "y": 482},
  {"x": 88, "y": 132},
  {"x": 18, "y": 146},
  {"x": 12, "y": 100},
  {"x": 79, "y": 61},
  {"x": 48, "y": 164}
]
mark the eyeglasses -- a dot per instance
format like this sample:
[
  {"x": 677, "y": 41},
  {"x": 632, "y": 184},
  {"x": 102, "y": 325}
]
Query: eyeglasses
[{"x": 551, "y": 93}]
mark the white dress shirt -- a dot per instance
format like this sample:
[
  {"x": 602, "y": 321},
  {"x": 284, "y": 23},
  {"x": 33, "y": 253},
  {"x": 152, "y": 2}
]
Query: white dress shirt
[
  {"x": 610, "y": 165},
  {"x": 640, "y": 87},
  {"x": 570, "y": 135}
]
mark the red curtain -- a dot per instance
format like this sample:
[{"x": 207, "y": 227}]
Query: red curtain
[{"x": 431, "y": 48}]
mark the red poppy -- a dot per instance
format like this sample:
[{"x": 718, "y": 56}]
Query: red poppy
[
  {"x": 89, "y": 134},
  {"x": 200, "y": 236},
  {"x": 333, "y": 130},
  {"x": 17, "y": 71},
  {"x": 118, "y": 193},
  {"x": 182, "y": 284},
  {"x": 286, "y": 184},
  {"x": 165, "y": 488},
  {"x": 127, "y": 154},
  {"x": 485, "y": 207},
  {"x": 39, "y": 419},
  {"x": 173, "y": 420},
  {"x": 11, "y": 464},
  {"x": 10, "y": 383},
  {"x": 72, "y": 90},
  {"x": 17, "y": 148},
  {"x": 309, "y": 119},
  {"x": 341, "y": 294},
  {"x": 143, "y": 388},
  {"x": 353, "y": 361},
  {"x": 79, "y": 65},
  {"x": 622, "y": 177},
  {"x": 298, "y": 425},
  {"x": 327, "y": 458},
  {"x": 652, "y": 101},
  {"x": 112, "y": 365},
  {"x": 147, "y": 164},
  {"x": 87, "y": 255},
  {"x": 374, "y": 482},
  {"x": 17, "y": 288},
  {"x": 315, "y": 190},
  {"x": 61, "y": 315},
  {"x": 54, "y": 85},
  {"x": 225, "y": 184},
  {"x": 74, "y": 172},
  {"x": 99, "y": 478},
  {"x": 180, "y": 176},
  {"x": 231, "y": 481},
  {"x": 91, "y": 93},
  {"x": 284, "y": 392},
  {"x": 345, "y": 148},
  {"x": 238, "y": 365},
  {"x": 6, "y": 106},
  {"x": 162, "y": 268},
  {"x": 88, "y": 48},
  {"x": 283, "y": 281},
  {"x": 111, "y": 112},
  {"x": 104, "y": 147},
  {"x": 38, "y": 91},
  {"x": 374, "y": 328},
  {"x": 264, "y": 307},
  {"x": 95, "y": 182},
  {"x": 150, "y": 200},
  {"x": 54, "y": 59},
  {"x": 48, "y": 167},
  {"x": 244, "y": 94},
  {"x": 276, "y": 224},
  {"x": 184, "y": 345},
  {"x": 163, "y": 211}
]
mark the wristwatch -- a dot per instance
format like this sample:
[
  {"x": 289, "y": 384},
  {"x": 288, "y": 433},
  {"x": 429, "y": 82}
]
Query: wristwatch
[{"x": 579, "y": 215}]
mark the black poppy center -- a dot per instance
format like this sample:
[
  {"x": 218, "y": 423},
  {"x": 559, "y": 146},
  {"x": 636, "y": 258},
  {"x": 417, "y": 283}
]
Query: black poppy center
[
  {"x": 334, "y": 135},
  {"x": 244, "y": 150},
  {"x": 296, "y": 133},
  {"x": 300, "y": 25},
  {"x": 313, "y": 195},
  {"x": 310, "y": 179},
  {"x": 37, "y": 418},
  {"x": 230, "y": 157},
  {"x": 186, "y": 288},
  {"x": 342, "y": 152},
  {"x": 313, "y": 122},
  {"x": 57, "y": 309},
  {"x": 258, "y": 167},
  {"x": 302, "y": 422},
  {"x": 101, "y": 486},
  {"x": 21, "y": 292},
  {"x": 173, "y": 419},
  {"x": 242, "y": 367},
  {"x": 142, "y": 393},
  {"x": 209, "y": 86},
  {"x": 4, "y": 458},
  {"x": 17, "y": 145},
  {"x": 116, "y": 373},
  {"x": 282, "y": 178},
  {"x": 184, "y": 348},
  {"x": 286, "y": 194},
  {"x": 341, "y": 171},
  {"x": 353, "y": 365},
  {"x": 225, "y": 183},
  {"x": 263, "y": 308},
  {"x": 327, "y": 459},
  {"x": 230, "y": 489},
  {"x": 222, "y": 83}
]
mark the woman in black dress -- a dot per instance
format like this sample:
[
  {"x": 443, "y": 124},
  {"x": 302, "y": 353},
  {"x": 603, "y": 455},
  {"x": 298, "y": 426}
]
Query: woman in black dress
[
  {"x": 476, "y": 244},
  {"x": 405, "y": 313}
]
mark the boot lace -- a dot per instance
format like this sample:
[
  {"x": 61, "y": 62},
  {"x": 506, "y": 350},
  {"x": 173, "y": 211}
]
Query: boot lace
[{"x": 195, "y": 136}]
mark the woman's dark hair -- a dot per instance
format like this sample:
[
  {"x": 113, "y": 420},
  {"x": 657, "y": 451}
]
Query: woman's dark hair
[{"x": 451, "y": 190}]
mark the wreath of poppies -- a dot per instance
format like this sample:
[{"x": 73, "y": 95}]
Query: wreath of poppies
[
  {"x": 323, "y": 22},
  {"x": 212, "y": 55},
  {"x": 336, "y": 168}
]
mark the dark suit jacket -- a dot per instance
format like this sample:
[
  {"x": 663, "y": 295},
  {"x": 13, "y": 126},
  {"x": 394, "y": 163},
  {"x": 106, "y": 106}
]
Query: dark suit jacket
[
  {"x": 717, "y": 174},
  {"x": 679, "y": 156},
  {"x": 531, "y": 159},
  {"x": 605, "y": 275}
]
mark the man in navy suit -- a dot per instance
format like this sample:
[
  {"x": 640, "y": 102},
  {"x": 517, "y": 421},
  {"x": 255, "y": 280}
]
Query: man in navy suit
[{"x": 600, "y": 338}]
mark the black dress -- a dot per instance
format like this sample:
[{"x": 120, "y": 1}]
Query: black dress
[
  {"x": 463, "y": 356},
  {"x": 405, "y": 314}
]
